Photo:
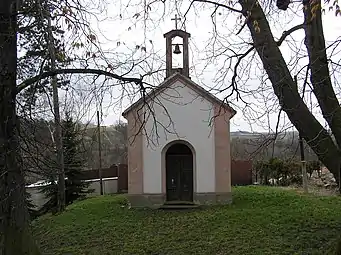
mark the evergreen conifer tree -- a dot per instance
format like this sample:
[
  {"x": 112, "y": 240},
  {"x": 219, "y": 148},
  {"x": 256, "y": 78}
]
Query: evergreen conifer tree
[
  {"x": 30, "y": 206},
  {"x": 76, "y": 188}
]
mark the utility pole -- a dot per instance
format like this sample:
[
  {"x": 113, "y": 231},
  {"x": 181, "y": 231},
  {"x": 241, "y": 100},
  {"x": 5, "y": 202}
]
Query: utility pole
[
  {"x": 99, "y": 154},
  {"x": 304, "y": 166},
  {"x": 303, "y": 162}
]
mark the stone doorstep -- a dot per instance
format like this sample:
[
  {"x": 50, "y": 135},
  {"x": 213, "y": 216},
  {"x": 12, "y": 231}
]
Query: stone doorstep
[
  {"x": 179, "y": 206},
  {"x": 179, "y": 203}
]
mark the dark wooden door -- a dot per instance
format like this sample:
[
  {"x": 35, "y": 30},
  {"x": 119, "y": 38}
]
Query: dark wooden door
[{"x": 179, "y": 177}]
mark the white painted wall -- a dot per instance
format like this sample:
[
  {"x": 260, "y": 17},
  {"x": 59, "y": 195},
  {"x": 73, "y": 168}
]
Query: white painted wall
[{"x": 181, "y": 114}]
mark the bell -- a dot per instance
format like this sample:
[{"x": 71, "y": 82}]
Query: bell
[{"x": 177, "y": 49}]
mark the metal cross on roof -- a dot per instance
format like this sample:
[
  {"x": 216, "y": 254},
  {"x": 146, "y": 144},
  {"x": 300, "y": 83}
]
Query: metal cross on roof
[{"x": 176, "y": 21}]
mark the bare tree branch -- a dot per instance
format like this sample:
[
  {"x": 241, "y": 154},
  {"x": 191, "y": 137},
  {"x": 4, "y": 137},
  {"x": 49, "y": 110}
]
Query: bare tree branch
[
  {"x": 288, "y": 32},
  {"x": 34, "y": 79},
  {"x": 219, "y": 4}
]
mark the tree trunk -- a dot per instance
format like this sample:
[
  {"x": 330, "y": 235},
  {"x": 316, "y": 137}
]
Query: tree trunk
[
  {"x": 286, "y": 90},
  {"x": 15, "y": 235},
  {"x": 320, "y": 77},
  {"x": 59, "y": 138}
]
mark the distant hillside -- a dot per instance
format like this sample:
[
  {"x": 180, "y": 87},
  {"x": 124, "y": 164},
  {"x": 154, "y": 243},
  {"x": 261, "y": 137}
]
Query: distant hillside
[
  {"x": 247, "y": 134},
  {"x": 259, "y": 146}
]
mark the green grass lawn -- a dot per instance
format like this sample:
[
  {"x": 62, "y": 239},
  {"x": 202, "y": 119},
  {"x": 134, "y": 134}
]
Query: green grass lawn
[{"x": 261, "y": 220}]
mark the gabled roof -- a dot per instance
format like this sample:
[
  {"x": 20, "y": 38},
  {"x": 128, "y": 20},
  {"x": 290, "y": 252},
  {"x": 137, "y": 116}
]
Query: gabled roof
[{"x": 186, "y": 81}]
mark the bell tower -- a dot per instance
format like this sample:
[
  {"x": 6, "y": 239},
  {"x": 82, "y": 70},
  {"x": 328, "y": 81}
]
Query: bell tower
[{"x": 177, "y": 48}]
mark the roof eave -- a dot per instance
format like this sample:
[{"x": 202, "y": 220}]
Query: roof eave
[{"x": 185, "y": 79}]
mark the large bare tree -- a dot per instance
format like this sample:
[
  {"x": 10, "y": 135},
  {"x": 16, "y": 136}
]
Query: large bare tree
[{"x": 284, "y": 84}]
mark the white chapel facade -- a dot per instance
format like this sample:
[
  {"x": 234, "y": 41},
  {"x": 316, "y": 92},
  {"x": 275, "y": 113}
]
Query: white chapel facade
[{"x": 178, "y": 140}]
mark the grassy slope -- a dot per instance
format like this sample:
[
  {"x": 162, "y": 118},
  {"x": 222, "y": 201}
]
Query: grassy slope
[{"x": 260, "y": 221}]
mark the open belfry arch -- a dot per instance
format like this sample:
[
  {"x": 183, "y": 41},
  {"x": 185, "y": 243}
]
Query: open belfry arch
[
  {"x": 172, "y": 48},
  {"x": 191, "y": 162}
]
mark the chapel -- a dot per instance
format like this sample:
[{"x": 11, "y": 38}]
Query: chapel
[{"x": 178, "y": 138}]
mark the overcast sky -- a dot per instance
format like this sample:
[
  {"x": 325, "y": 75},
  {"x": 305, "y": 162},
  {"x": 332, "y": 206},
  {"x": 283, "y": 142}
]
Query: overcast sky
[{"x": 119, "y": 35}]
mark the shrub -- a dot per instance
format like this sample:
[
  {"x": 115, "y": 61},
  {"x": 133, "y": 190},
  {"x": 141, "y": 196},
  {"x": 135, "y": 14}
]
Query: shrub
[{"x": 281, "y": 172}]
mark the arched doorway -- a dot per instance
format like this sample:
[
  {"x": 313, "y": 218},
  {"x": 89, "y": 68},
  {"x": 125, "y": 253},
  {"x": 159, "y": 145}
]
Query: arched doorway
[{"x": 179, "y": 173}]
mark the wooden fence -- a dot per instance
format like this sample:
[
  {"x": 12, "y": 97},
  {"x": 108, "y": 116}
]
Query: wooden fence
[
  {"x": 120, "y": 171},
  {"x": 241, "y": 172}
]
